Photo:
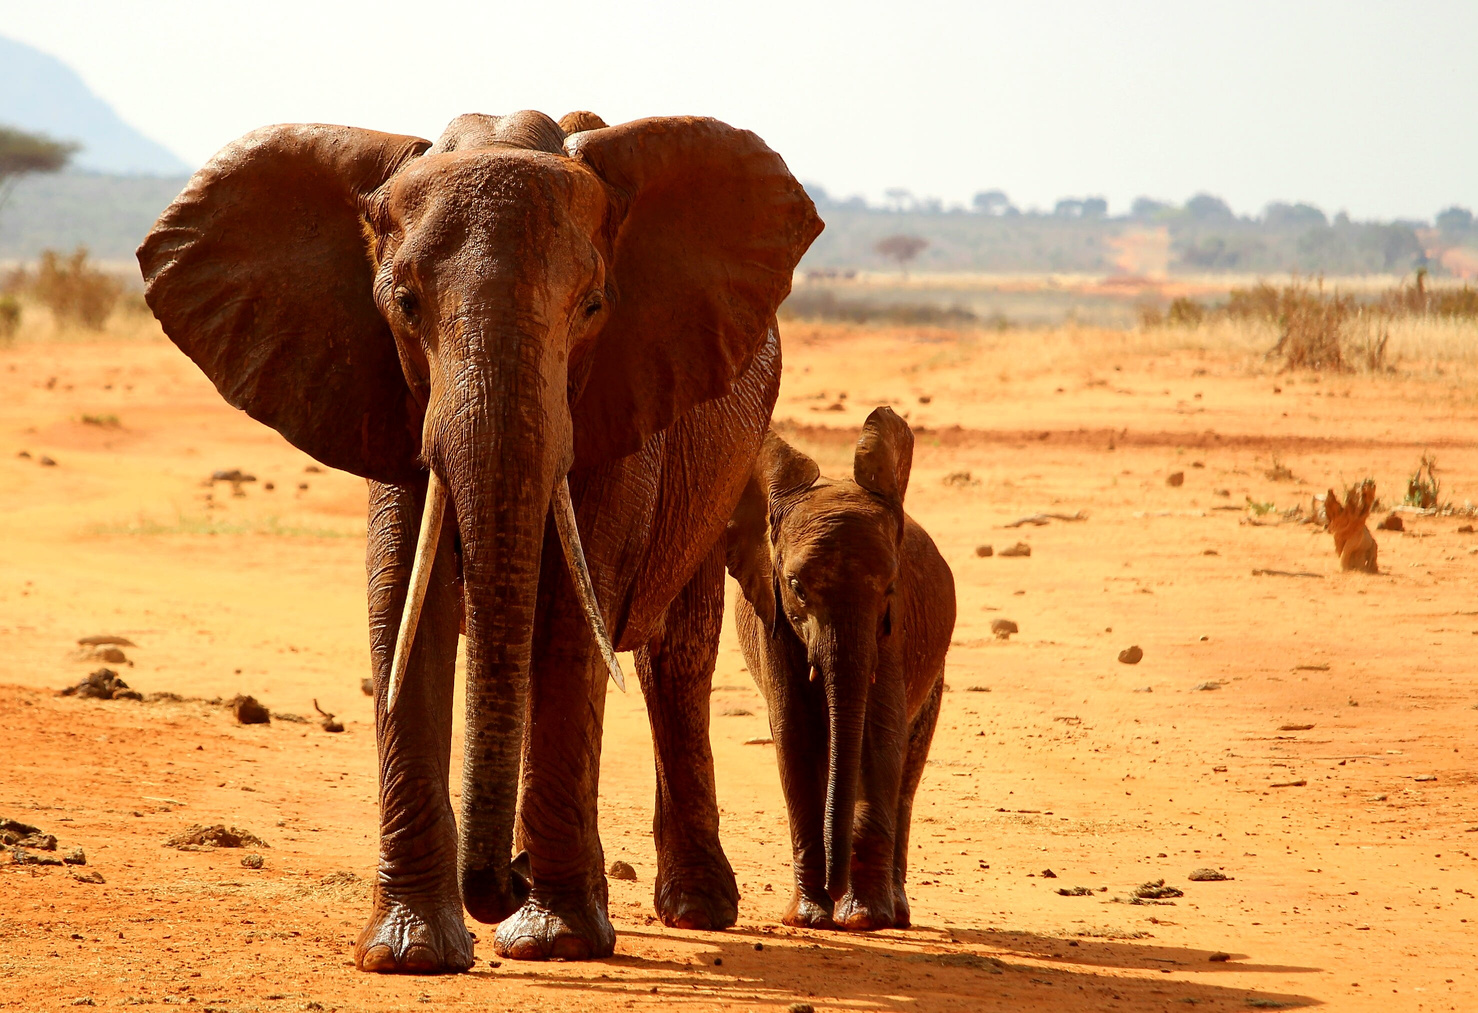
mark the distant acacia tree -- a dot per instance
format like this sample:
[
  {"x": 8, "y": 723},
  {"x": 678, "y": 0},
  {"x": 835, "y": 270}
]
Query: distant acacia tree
[
  {"x": 1455, "y": 220},
  {"x": 991, "y": 202},
  {"x": 901, "y": 248},
  {"x": 1206, "y": 208},
  {"x": 22, "y": 154}
]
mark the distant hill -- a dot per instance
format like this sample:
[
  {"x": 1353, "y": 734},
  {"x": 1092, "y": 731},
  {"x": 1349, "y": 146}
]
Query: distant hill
[
  {"x": 42, "y": 94},
  {"x": 107, "y": 214}
]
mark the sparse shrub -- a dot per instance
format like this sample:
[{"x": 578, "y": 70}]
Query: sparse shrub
[
  {"x": 1422, "y": 489},
  {"x": 73, "y": 289},
  {"x": 1261, "y": 302},
  {"x": 1416, "y": 299},
  {"x": 1150, "y": 314},
  {"x": 10, "y": 318},
  {"x": 1311, "y": 322},
  {"x": 1185, "y": 312}
]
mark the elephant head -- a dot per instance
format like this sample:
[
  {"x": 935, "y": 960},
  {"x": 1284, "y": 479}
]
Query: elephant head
[
  {"x": 818, "y": 560},
  {"x": 494, "y": 309}
]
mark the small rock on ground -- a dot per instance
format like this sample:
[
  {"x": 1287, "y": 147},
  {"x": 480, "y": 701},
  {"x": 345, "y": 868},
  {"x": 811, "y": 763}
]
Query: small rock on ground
[
  {"x": 1207, "y": 876},
  {"x": 1003, "y": 628},
  {"x": 622, "y": 870},
  {"x": 217, "y": 836},
  {"x": 75, "y": 857},
  {"x": 1175, "y": 478},
  {"x": 252, "y": 861},
  {"x": 88, "y": 876},
  {"x": 1393, "y": 522},
  {"x": 1019, "y": 549},
  {"x": 248, "y": 711},
  {"x": 984, "y": 550},
  {"x": 1131, "y": 655},
  {"x": 368, "y": 686}
]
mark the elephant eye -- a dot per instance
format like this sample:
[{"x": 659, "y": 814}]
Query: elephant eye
[
  {"x": 797, "y": 590},
  {"x": 405, "y": 300},
  {"x": 594, "y": 304}
]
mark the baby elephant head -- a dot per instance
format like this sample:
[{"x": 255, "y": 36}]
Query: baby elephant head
[
  {"x": 818, "y": 560},
  {"x": 1352, "y": 539}
]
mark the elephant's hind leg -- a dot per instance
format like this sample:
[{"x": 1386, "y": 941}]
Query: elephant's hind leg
[
  {"x": 917, "y": 755},
  {"x": 416, "y": 925},
  {"x": 695, "y": 885}
]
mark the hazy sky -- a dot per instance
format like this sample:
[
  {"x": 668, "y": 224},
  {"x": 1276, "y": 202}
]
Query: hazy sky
[{"x": 1359, "y": 104}]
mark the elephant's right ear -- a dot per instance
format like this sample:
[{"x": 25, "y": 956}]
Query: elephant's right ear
[
  {"x": 261, "y": 272},
  {"x": 780, "y": 472}
]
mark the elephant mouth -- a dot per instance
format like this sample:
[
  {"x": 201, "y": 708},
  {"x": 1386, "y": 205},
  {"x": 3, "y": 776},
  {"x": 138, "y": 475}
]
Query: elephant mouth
[{"x": 574, "y": 553}]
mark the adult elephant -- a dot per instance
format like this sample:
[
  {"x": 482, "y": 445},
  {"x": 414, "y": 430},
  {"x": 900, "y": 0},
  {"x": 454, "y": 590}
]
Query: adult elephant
[{"x": 527, "y": 335}]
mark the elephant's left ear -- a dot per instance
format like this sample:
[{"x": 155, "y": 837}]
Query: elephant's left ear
[{"x": 713, "y": 227}]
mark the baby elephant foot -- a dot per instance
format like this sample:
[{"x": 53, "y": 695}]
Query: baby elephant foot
[
  {"x": 698, "y": 897},
  {"x": 403, "y": 938},
  {"x": 548, "y": 929},
  {"x": 808, "y": 912},
  {"x": 864, "y": 913}
]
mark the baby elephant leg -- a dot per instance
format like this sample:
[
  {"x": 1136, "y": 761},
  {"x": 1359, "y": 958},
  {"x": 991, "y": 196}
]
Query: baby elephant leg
[
  {"x": 871, "y": 901},
  {"x": 920, "y": 735}
]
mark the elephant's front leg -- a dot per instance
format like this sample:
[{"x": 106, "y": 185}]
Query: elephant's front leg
[
  {"x": 871, "y": 902},
  {"x": 416, "y": 925},
  {"x": 565, "y": 915},
  {"x": 695, "y": 887}
]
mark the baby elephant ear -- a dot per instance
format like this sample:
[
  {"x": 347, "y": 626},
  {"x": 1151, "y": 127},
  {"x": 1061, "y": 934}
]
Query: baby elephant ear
[
  {"x": 261, "y": 272},
  {"x": 779, "y": 471},
  {"x": 709, "y": 226},
  {"x": 884, "y": 456}
]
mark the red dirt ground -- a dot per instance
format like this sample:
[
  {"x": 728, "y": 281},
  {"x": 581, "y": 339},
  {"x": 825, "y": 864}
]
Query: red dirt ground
[{"x": 1352, "y": 887}]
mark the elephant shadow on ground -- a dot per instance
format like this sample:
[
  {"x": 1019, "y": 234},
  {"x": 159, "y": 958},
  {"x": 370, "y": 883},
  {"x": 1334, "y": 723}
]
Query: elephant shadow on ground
[{"x": 915, "y": 970}]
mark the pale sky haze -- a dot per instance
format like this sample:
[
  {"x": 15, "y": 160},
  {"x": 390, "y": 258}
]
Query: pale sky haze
[{"x": 1358, "y": 105}]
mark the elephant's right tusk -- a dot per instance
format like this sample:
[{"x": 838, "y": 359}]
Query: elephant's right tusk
[
  {"x": 569, "y": 539},
  {"x": 420, "y": 579}
]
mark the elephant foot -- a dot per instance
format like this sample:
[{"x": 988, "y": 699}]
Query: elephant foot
[
  {"x": 545, "y": 929},
  {"x": 902, "y": 917},
  {"x": 702, "y": 897},
  {"x": 864, "y": 912},
  {"x": 808, "y": 913},
  {"x": 403, "y": 938}
]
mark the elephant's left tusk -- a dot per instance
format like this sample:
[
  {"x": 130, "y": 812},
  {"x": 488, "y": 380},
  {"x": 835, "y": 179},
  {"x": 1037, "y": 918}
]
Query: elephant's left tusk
[
  {"x": 569, "y": 540},
  {"x": 420, "y": 579}
]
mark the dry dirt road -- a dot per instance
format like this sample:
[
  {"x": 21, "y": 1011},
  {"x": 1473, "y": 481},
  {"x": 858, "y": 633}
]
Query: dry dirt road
[{"x": 1312, "y": 738}]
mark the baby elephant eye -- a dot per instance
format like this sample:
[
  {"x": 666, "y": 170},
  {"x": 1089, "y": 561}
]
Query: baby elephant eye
[
  {"x": 594, "y": 304},
  {"x": 405, "y": 300},
  {"x": 797, "y": 590}
]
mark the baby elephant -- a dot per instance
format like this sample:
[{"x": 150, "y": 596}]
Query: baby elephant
[
  {"x": 845, "y": 619},
  {"x": 1352, "y": 539}
]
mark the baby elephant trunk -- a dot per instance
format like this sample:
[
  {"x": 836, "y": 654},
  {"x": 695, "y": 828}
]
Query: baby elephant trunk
[{"x": 848, "y": 674}]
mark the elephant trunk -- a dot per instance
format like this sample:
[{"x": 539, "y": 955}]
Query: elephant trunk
[
  {"x": 498, "y": 428},
  {"x": 847, "y": 671}
]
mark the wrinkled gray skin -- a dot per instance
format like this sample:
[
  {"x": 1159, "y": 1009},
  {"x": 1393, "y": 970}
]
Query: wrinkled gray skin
[
  {"x": 845, "y": 621},
  {"x": 524, "y": 303}
]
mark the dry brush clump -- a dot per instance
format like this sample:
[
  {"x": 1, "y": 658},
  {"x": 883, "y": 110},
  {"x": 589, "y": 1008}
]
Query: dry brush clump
[
  {"x": 1329, "y": 330},
  {"x": 76, "y": 291}
]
